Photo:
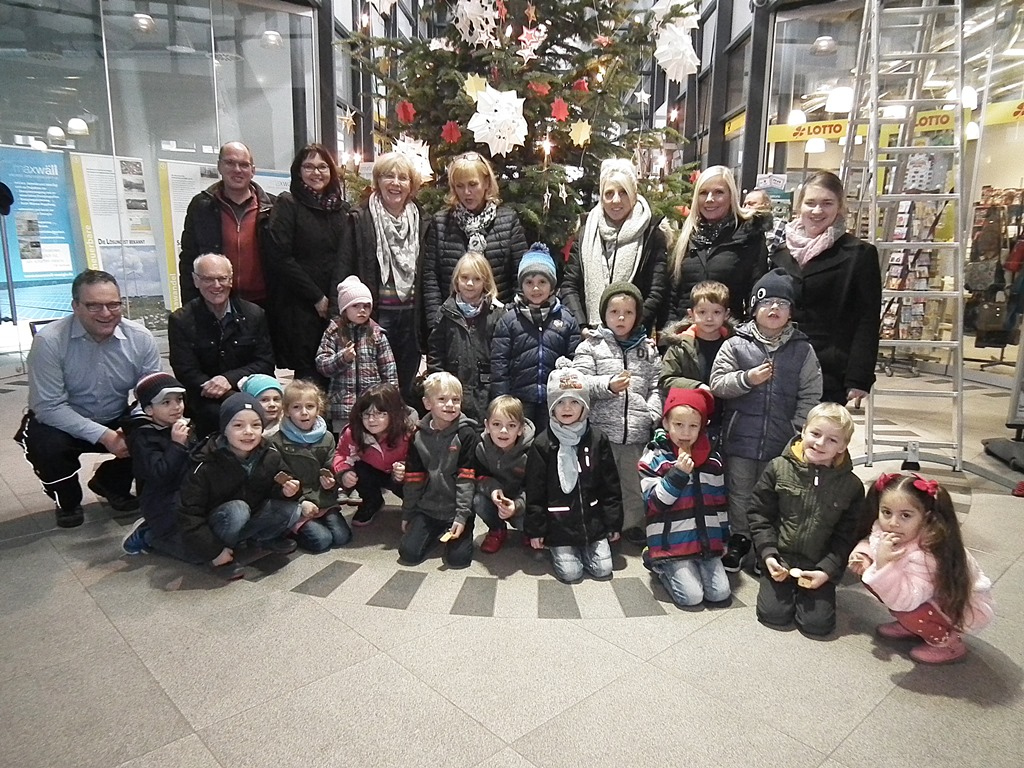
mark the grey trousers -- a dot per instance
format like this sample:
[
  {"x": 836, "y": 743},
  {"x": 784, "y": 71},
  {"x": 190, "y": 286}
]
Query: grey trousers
[{"x": 741, "y": 475}]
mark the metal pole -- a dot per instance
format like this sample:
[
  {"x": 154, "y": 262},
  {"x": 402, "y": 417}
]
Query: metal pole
[{"x": 6, "y": 201}]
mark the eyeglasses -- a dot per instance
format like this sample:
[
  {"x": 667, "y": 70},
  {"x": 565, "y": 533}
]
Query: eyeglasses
[
  {"x": 470, "y": 156},
  {"x": 211, "y": 279},
  {"x": 780, "y": 303},
  {"x": 95, "y": 307},
  {"x": 372, "y": 414},
  {"x": 241, "y": 166},
  {"x": 311, "y": 168}
]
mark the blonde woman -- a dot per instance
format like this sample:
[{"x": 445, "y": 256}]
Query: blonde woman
[
  {"x": 720, "y": 241},
  {"x": 389, "y": 233},
  {"x": 475, "y": 220}
]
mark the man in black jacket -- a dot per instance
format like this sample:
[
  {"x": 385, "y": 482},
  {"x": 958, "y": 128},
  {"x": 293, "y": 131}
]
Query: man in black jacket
[
  {"x": 231, "y": 217},
  {"x": 215, "y": 340}
]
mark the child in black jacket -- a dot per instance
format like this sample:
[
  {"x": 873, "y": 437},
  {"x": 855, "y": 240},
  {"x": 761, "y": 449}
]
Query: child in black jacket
[{"x": 573, "y": 497}]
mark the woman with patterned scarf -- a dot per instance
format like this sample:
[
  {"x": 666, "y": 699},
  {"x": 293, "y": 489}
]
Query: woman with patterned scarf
[
  {"x": 475, "y": 220},
  {"x": 619, "y": 241},
  {"x": 389, "y": 233},
  {"x": 720, "y": 241},
  {"x": 840, "y": 289},
  {"x": 309, "y": 227}
]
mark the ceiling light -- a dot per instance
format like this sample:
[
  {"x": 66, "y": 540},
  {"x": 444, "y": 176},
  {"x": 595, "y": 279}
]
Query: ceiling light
[
  {"x": 38, "y": 144},
  {"x": 796, "y": 117},
  {"x": 895, "y": 112},
  {"x": 840, "y": 99},
  {"x": 972, "y": 132},
  {"x": 814, "y": 146},
  {"x": 143, "y": 23},
  {"x": 78, "y": 127},
  {"x": 824, "y": 45},
  {"x": 969, "y": 99},
  {"x": 55, "y": 134},
  {"x": 271, "y": 38}
]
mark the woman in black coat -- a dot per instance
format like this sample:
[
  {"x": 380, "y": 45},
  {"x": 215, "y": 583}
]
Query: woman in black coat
[
  {"x": 619, "y": 241},
  {"x": 308, "y": 228},
  {"x": 840, "y": 289},
  {"x": 389, "y": 236},
  {"x": 475, "y": 220},
  {"x": 720, "y": 241}
]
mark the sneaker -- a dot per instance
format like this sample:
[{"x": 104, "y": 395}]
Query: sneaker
[
  {"x": 119, "y": 502},
  {"x": 353, "y": 497},
  {"x": 735, "y": 551},
  {"x": 135, "y": 542},
  {"x": 953, "y": 650},
  {"x": 894, "y": 631},
  {"x": 70, "y": 518},
  {"x": 636, "y": 536},
  {"x": 364, "y": 515},
  {"x": 279, "y": 546},
  {"x": 645, "y": 557},
  {"x": 494, "y": 540},
  {"x": 230, "y": 571}
]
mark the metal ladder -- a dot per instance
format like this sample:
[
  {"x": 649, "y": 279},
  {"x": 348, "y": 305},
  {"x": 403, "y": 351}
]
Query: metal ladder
[{"x": 904, "y": 45}]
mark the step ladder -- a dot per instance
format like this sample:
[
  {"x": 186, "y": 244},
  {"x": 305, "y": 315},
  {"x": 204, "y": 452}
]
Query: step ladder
[{"x": 911, "y": 175}]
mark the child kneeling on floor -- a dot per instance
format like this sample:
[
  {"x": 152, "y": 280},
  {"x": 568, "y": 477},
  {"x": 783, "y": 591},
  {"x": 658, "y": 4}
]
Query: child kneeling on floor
[
  {"x": 307, "y": 448},
  {"x": 804, "y": 517},
  {"x": 915, "y": 562},
  {"x": 683, "y": 484},
  {"x": 437, "y": 505},
  {"x": 239, "y": 489},
  {"x": 500, "y": 499},
  {"x": 573, "y": 498}
]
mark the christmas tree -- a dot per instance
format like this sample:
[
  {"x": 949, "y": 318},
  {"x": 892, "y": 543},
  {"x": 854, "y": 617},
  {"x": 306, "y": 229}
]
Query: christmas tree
[{"x": 545, "y": 90}]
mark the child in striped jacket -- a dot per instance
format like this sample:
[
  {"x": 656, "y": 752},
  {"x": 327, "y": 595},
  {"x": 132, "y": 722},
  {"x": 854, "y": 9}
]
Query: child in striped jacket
[{"x": 683, "y": 486}]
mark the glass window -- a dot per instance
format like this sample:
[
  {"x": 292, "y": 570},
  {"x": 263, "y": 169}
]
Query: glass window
[
  {"x": 737, "y": 71},
  {"x": 707, "y": 47}
]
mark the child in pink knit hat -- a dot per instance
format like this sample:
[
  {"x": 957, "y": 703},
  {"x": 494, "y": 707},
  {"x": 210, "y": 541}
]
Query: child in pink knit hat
[{"x": 354, "y": 352}]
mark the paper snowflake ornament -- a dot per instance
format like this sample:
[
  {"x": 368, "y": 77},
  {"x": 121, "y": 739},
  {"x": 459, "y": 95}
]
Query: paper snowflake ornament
[
  {"x": 674, "y": 51},
  {"x": 477, "y": 21},
  {"x": 580, "y": 132},
  {"x": 451, "y": 132},
  {"x": 441, "y": 44},
  {"x": 418, "y": 154},
  {"x": 499, "y": 121},
  {"x": 559, "y": 110},
  {"x": 663, "y": 8},
  {"x": 474, "y": 86}
]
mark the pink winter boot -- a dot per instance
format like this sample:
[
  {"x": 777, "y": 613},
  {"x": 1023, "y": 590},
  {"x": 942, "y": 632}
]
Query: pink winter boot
[
  {"x": 952, "y": 650},
  {"x": 894, "y": 631}
]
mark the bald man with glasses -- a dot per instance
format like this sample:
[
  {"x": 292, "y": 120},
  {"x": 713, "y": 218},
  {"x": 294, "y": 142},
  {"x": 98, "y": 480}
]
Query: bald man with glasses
[
  {"x": 229, "y": 218},
  {"x": 81, "y": 370}
]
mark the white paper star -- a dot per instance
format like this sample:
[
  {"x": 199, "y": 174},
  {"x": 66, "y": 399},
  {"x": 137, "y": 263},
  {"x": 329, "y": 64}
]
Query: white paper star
[
  {"x": 675, "y": 53},
  {"x": 499, "y": 120},
  {"x": 527, "y": 54},
  {"x": 418, "y": 152},
  {"x": 563, "y": 192},
  {"x": 642, "y": 96},
  {"x": 547, "y": 199}
]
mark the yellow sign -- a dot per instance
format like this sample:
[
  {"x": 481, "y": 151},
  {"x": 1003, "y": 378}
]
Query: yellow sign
[
  {"x": 1000, "y": 112},
  {"x": 735, "y": 125},
  {"x": 833, "y": 130}
]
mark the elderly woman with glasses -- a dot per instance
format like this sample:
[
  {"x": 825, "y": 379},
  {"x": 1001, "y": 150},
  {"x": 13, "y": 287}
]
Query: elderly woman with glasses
[
  {"x": 475, "y": 220},
  {"x": 309, "y": 227},
  {"x": 389, "y": 232},
  {"x": 720, "y": 241}
]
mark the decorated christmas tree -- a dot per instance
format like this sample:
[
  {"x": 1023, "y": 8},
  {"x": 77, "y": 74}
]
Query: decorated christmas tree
[{"x": 545, "y": 90}]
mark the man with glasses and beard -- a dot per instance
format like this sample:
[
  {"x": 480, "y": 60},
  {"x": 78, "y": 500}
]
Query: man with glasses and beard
[
  {"x": 230, "y": 218},
  {"x": 80, "y": 371}
]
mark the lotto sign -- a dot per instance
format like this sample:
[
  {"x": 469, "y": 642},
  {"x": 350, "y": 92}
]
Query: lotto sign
[
  {"x": 1002, "y": 112},
  {"x": 825, "y": 129}
]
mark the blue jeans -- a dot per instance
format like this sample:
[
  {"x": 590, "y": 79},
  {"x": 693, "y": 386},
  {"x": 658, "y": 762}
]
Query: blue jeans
[
  {"x": 322, "y": 533},
  {"x": 571, "y": 562},
  {"x": 690, "y": 582},
  {"x": 234, "y": 522},
  {"x": 484, "y": 508}
]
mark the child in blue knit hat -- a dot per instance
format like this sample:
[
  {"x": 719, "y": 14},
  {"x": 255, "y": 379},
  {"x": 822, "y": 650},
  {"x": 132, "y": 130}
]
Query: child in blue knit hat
[
  {"x": 532, "y": 334},
  {"x": 269, "y": 391}
]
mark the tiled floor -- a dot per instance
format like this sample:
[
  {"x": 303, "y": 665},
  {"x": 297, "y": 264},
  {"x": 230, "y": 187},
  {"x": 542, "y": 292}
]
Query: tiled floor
[{"x": 348, "y": 659}]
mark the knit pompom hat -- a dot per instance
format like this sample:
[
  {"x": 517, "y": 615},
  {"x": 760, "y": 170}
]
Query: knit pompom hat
[
  {"x": 620, "y": 171},
  {"x": 777, "y": 284},
  {"x": 567, "y": 382},
  {"x": 235, "y": 404},
  {"x": 352, "y": 291},
  {"x": 538, "y": 261},
  {"x": 619, "y": 289}
]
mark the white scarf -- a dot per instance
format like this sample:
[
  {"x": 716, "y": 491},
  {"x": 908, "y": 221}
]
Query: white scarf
[
  {"x": 568, "y": 463},
  {"x": 397, "y": 245},
  {"x": 622, "y": 243}
]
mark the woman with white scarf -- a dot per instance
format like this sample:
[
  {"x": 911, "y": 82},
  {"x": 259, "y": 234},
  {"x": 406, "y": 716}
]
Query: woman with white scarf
[
  {"x": 840, "y": 288},
  {"x": 620, "y": 240},
  {"x": 389, "y": 234}
]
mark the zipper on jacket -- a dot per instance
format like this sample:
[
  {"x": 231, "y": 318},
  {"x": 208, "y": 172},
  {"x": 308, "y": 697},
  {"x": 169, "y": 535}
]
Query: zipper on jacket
[{"x": 625, "y": 405}]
